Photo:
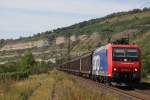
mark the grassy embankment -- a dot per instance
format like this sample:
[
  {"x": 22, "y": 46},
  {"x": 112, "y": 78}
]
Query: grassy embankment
[{"x": 53, "y": 85}]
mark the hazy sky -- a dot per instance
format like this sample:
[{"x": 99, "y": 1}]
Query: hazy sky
[{"x": 27, "y": 17}]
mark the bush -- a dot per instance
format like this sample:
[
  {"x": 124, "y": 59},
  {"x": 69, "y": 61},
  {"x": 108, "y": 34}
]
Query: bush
[
  {"x": 26, "y": 61},
  {"x": 146, "y": 66},
  {"x": 8, "y": 68},
  {"x": 41, "y": 67},
  {"x": 14, "y": 75}
]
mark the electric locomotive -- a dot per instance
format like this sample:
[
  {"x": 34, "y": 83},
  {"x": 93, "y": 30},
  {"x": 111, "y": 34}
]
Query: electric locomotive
[{"x": 117, "y": 62}]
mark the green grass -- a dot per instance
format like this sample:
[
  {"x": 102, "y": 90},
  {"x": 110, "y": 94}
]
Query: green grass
[{"x": 20, "y": 90}]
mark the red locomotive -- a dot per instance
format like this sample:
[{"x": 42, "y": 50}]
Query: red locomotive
[
  {"x": 115, "y": 62},
  {"x": 124, "y": 63}
]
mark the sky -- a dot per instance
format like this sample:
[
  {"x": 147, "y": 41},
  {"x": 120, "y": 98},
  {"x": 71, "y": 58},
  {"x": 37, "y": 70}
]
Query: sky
[{"x": 21, "y": 18}]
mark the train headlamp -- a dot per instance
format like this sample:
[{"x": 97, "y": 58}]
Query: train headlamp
[
  {"x": 136, "y": 69},
  {"x": 115, "y": 69}
]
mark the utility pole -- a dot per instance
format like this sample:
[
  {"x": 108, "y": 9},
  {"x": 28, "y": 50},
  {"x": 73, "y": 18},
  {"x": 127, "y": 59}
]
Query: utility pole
[
  {"x": 128, "y": 38},
  {"x": 68, "y": 49},
  {"x": 69, "y": 46},
  {"x": 61, "y": 53},
  {"x": 109, "y": 34},
  {"x": 56, "y": 52}
]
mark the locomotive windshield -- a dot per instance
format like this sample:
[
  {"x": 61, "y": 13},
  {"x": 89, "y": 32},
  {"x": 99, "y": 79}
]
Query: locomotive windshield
[
  {"x": 125, "y": 53},
  {"x": 131, "y": 52}
]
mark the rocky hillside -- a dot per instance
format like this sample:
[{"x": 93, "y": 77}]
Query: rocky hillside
[{"x": 84, "y": 36}]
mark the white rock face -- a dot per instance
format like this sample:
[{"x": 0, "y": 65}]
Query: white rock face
[
  {"x": 94, "y": 36},
  {"x": 60, "y": 40},
  {"x": 25, "y": 45},
  {"x": 73, "y": 38},
  {"x": 52, "y": 60},
  {"x": 83, "y": 37}
]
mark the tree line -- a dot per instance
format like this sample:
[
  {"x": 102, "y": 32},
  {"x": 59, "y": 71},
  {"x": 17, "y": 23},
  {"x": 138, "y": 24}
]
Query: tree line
[{"x": 24, "y": 67}]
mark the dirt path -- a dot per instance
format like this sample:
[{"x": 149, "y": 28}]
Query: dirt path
[{"x": 54, "y": 93}]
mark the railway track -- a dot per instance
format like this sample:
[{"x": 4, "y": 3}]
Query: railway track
[
  {"x": 134, "y": 94},
  {"x": 137, "y": 94},
  {"x": 127, "y": 94},
  {"x": 143, "y": 91},
  {"x": 144, "y": 88}
]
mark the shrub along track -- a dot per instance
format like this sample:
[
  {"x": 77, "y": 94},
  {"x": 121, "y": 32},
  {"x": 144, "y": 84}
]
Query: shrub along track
[{"x": 124, "y": 93}]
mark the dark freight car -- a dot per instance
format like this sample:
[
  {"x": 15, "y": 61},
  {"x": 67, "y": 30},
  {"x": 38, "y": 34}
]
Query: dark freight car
[
  {"x": 86, "y": 63},
  {"x": 74, "y": 65},
  {"x": 64, "y": 66}
]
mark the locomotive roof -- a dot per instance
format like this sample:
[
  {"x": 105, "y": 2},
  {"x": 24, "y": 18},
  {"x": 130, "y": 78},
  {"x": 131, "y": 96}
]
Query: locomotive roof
[{"x": 125, "y": 46}]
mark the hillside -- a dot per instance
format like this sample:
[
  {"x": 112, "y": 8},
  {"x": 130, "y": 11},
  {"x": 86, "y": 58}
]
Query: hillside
[{"x": 84, "y": 36}]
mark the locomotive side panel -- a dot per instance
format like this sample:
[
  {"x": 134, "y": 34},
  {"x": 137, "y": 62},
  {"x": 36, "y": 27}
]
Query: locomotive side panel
[{"x": 100, "y": 62}]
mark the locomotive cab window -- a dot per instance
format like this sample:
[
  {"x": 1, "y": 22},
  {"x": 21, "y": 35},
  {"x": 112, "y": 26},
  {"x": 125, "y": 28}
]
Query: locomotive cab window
[
  {"x": 118, "y": 52},
  {"x": 131, "y": 53},
  {"x": 125, "y": 53}
]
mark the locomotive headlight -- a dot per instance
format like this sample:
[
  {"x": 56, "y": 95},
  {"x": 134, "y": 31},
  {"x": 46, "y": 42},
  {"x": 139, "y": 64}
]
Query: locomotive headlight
[
  {"x": 136, "y": 69},
  {"x": 115, "y": 69}
]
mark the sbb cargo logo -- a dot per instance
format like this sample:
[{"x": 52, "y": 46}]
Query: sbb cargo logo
[{"x": 96, "y": 62}]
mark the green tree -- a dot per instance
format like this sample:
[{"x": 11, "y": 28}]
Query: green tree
[
  {"x": 26, "y": 61},
  {"x": 145, "y": 66}
]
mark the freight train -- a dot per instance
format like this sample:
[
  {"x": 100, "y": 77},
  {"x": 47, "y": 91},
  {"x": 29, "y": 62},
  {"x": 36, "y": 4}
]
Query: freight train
[{"x": 117, "y": 62}]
